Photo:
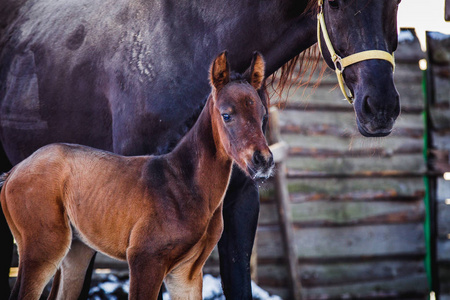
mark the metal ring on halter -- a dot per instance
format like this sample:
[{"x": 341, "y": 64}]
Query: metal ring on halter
[{"x": 337, "y": 61}]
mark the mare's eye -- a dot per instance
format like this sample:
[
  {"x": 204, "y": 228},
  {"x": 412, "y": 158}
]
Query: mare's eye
[
  {"x": 333, "y": 3},
  {"x": 226, "y": 117}
]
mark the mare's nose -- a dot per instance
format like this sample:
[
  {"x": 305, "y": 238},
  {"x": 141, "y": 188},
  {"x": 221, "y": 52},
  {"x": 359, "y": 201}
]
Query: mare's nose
[{"x": 263, "y": 160}]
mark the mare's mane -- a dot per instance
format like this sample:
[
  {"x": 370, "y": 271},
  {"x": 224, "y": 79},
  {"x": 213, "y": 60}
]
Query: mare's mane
[{"x": 294, "y": 71}]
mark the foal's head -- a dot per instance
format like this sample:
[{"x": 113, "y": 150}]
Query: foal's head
[{"x": 239, "y": 113}]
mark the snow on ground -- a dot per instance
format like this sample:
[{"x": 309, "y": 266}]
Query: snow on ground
[
  {"x": 116, "y": 287},
  {"x": 212, "y": 290}
]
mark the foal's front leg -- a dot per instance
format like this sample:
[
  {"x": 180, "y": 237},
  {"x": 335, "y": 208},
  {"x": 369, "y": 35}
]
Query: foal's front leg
[
  {"x": 146, "y": 274},
  {"x": 240, "y": 215},
  {"x": 186, "y": 280}
]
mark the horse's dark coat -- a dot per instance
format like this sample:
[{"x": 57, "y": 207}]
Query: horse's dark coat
[{"x": 118, "y": 75}]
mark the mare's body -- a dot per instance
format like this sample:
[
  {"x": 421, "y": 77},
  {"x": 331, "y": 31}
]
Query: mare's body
[
  {"x": 109, "y": 74},
  {"x": 163, "y": 214}
]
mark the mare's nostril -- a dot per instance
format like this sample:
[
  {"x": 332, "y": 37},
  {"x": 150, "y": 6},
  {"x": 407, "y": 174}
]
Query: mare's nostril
[{"x": 366, "y": 107}]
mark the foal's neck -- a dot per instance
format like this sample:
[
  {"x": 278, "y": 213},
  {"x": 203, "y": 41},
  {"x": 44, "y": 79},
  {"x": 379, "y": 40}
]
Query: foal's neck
[{"x": 201, "y": 154}]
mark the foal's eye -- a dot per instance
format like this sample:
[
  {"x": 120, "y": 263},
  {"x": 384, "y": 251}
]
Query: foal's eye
[
  {"x": 333, "y": 3},
  {"x": 226, "y": 117}
]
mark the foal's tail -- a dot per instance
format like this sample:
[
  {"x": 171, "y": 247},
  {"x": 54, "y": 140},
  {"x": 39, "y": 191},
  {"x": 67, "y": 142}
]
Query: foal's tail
[{"x": 3, "y": 178}]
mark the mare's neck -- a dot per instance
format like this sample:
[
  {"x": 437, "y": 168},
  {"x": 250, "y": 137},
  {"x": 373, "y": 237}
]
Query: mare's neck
[
  {"x": 201, "y": 154},
  {"x": 301, "y": 35}
]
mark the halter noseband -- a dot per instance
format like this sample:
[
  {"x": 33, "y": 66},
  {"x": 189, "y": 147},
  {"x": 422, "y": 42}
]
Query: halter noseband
[{"x": 339, "y": 62}]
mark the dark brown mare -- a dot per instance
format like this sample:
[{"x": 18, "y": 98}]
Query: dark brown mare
[
  {"x": 163, "y": 214},
  {"x": 111, "y": 73}
]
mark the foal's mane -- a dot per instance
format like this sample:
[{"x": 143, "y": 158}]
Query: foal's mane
[{"x": 293, "y": 72}]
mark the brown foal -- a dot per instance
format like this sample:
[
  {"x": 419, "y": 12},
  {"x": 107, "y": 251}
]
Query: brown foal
[{"x": 163, "y": 214}]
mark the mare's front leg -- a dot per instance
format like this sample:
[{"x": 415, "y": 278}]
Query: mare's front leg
[{"x": 240, "y": 215}]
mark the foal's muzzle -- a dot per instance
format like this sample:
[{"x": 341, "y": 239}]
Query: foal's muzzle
[{"x": 261, "y": 165}]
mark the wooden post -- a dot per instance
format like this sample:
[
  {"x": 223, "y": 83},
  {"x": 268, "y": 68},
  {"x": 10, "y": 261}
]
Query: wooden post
[
  {"x": 447, "y": 10},
  {"x": 279, "y": 150}
]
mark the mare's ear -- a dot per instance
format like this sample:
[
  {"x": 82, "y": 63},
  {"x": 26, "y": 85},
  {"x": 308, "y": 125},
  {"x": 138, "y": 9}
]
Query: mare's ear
[
  {"x": 255, "y": 74},
  {"x": 219, "y": 74}
]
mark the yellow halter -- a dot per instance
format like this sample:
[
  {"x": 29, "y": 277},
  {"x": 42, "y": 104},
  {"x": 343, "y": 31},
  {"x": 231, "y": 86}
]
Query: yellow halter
[{"x": 339, "y": 62}]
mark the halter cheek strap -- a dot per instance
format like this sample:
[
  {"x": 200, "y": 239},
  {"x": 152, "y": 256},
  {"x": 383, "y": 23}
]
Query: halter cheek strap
[{"x": 341, "y": 63}]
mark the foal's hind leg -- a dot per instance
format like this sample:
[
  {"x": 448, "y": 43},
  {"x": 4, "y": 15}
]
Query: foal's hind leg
[
  {"x": 70, "y": 277},
  {"x": 43, "y": 238},
  {"x": 38, "y": 262}
]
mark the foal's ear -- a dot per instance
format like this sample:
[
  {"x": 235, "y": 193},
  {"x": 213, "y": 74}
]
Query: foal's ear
[
  {"x": 220, "y": 71},
  {"x": 255, "y": 75}
]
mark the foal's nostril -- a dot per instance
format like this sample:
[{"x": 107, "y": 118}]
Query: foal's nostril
[
  {"x": 258, "y": 159},
  {"x": 270, "y": 162}
]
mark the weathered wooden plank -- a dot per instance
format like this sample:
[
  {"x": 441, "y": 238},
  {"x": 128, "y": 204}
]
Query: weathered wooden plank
[
  {"x": 409, "y": 72},
  {"x": 327, "y": 274},
  {"x": 441, "y": 80},
  {"x": 393, "y": 280},
  {"x": 354, "y": 241},
  {"x": 348, "y": 165},
  {"x": 342, "y": 120},
  {"x": 353, "y": 143},
  {"x": 345, "y": 188},
  {"x": 440, "y": 160},
  {"x": 441, "y": 140},
  {"x": 319, "y": 130},
  {"x": 413, "y": 148},
  {"x": 339, "y": 213},
  {"x": 298, "y": 174},
  {"x": 411, "y": 94},
  {"x": 410, "y": 287},
  {"x": 370, "y": 194},
  {"x": 440, "y": 118}
]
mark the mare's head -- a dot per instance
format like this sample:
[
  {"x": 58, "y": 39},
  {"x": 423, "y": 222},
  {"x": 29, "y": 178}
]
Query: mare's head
[
  {"x": 238, "y": 114},
  {"x": 359, "y": 25}
]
